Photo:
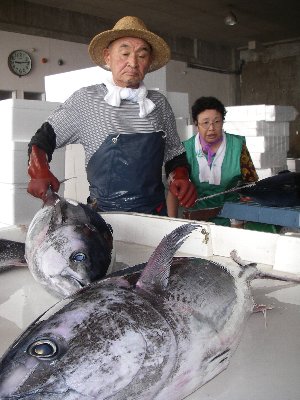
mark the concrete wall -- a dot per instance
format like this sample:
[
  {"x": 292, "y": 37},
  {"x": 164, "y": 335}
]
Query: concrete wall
[
  {"x": 197, "y": 82},
  {"x": 73, "y": 55},
  {"x": 271, "y": 75},
  {"x": 175, "y": 77}
]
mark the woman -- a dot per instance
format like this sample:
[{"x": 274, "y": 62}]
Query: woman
[{"x": 218, "y": 160}]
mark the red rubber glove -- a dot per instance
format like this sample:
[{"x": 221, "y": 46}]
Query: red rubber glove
[
  {"x": 41, "y": 176},
  {"x": 181, "y": 187}
]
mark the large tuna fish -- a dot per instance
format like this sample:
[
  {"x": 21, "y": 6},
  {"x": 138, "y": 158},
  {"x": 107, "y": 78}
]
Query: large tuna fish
[
  {"x": 67, "y": 246},
  {"x": 160, "y": 335},
  {"x": 11, "y": 254}
]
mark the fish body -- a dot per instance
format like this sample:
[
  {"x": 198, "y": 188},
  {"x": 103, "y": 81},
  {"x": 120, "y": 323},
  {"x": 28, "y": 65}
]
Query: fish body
[
  {"x": 67, "y": 246},
  {"x": 160, "y": 334},
  {"x": 11, "y": 254},
  {"x": 281, "y": 190}
]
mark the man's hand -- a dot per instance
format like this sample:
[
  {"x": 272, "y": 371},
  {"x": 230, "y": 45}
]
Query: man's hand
[
  {"x": 41, "y": 176},
  {"x": 182, "y": 187},
  {"x": 39, "y": 187}
]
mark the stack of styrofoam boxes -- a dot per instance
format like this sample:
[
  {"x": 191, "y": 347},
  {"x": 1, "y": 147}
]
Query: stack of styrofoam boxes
[
  {"x": 180, "y": 106},
  {"x": 77, "y": 187},
  {"x": 266, "y": 128},
  {"x": 293, "y": 164},
  {"x": 19, "y": 121}
]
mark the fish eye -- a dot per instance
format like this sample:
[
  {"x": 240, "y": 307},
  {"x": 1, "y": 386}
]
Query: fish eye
[
  {"x": 43, "y": 349},
  {"x": 78, "y": 257}
]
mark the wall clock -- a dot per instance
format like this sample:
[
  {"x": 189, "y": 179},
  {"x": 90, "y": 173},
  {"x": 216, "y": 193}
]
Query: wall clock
[{"x": 19, "y": 62}]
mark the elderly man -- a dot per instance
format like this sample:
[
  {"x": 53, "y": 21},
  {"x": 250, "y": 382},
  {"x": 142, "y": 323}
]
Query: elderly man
[{"x": 127, "y": 132}]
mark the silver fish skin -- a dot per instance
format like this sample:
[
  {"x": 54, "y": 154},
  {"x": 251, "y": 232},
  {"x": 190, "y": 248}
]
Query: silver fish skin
[
  {"x": 67, "y": 246},
  {"x": 159, "y": 336},
  {"x": 12, "y": 254}
]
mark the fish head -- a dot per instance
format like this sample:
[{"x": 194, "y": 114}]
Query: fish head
[
  {"x": 103, "y": 341},
  {"x": 68, "y": 246},
  {"x": 71, "y": 257}
]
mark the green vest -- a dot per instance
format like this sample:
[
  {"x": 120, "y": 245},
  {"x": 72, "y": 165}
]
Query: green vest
[{"x": 230, "y": 172}]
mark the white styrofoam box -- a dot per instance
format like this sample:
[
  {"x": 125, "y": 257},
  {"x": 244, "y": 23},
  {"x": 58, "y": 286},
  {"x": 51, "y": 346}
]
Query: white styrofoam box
[
  {"x": 287, "y": 254},
  {"x": 257, "y": 128},
  {"x": 148, "y": 230},
  {"x": 17, "y": 206},
  {"x": 13, "y": 232},
  {"x": 59, "y": 87},
  {"x": 157, "y": 80},
  {"x": 180, "y": 104},
  {"x": 281, "y": 252},
  {"x": 184, "y": 130},
  {"x": 268, "y": 160},
  {"x": 20, "y": 119},
  {"x": 14, "y": 163},
  {"x": 190, "y": 131},
  {"x": 267, "y": 172},
  {"x": 261, "y": 112},
  {"x": 187, "y": 133},
  {"x": 293, "y": 164},
  {"x": 250, "y": 245},
  {"x": 272, "y": 144},
  {"x": 76, "y": 188}
]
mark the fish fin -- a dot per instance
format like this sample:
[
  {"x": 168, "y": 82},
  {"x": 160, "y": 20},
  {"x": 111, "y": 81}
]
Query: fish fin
[
  {"x": 247, "y": 270},
  {"x": 263, "y": 309},
  {"x": 255, "y": 273},
  {"x": 157, "y": 269},
  {"x": 279, "y": 276}
]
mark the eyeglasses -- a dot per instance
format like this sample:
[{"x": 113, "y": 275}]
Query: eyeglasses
[{"x": 207, "y": 124}]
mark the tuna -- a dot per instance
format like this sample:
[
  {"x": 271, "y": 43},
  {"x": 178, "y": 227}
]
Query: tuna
[
  {"x": 157, "y": 334},
  {"x": 68, "y": 245},
  {"x": 11, "y": 254},
  {"x": 281, "y": 190}
]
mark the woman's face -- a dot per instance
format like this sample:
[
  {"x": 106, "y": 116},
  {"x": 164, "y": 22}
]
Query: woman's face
[{"x": 210, "y": 124}]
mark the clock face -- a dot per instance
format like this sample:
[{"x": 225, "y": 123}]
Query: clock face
[{"x": 19, "y": 62}]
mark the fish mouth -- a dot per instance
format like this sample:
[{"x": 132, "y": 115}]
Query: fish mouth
[
  {"x": 78, "y": 282},
  {"x": 75, "y": 279}
]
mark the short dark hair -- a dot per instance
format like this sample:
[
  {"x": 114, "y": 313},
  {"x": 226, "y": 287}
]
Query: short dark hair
[{"x": 207, "y": 103}]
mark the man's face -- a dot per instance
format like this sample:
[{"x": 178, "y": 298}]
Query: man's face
[{"x": 129, "y": 60}]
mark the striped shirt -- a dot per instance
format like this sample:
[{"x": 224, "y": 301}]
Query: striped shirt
[{"x": 86, "y": 118}]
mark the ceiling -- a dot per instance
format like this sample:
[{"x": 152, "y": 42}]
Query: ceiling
[{"x": 263, "y": 21}]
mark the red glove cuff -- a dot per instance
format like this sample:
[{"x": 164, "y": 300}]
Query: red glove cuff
[
  {"x": 178, "y": 173},
  {"x": 41, "y": 176},
  {"x": 38, "y": 167}
]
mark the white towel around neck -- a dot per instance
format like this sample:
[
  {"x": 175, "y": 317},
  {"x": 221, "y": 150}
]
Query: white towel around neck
[
  {"x": 116, "y": 93},
  {"x": 211, "y": 174}
]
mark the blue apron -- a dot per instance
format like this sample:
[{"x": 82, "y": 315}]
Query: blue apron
[{"x": 125, "y": 173}]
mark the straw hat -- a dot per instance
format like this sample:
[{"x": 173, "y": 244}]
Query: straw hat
[{"x": 130, "y": 27}]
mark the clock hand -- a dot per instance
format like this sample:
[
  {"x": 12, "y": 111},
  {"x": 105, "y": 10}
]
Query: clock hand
[{"x": 21, "y": 62}]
